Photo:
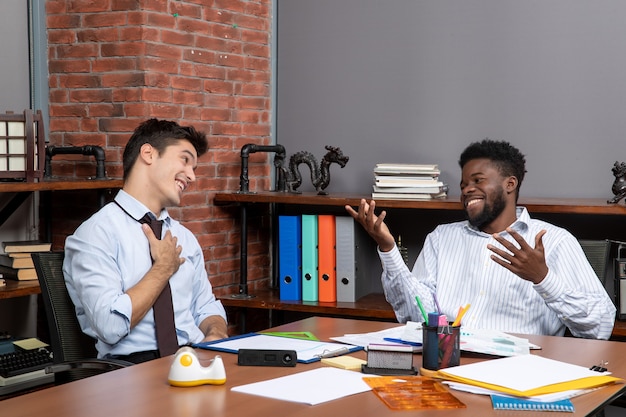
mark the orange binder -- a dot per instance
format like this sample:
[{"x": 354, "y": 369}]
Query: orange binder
[{"x": 327, "y": 274}]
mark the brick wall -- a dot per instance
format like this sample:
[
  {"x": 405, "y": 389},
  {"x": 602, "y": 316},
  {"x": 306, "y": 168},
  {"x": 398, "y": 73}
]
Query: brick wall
[{"x": 115, "y": 63}]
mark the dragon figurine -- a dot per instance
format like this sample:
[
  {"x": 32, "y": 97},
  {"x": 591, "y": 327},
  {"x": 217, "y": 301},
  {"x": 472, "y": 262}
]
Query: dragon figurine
[
  {"x": 320, "y": 174},
  {"x": 619, "y": 185}
]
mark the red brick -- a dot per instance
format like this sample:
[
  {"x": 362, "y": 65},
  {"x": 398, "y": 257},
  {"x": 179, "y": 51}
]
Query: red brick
[
  {"x": 105, "y": 19},
  {"x": 63, "y": 21},
  {"x": 98, "y": 35},
  {"x": 87, "y": 6},
  {"x": 91, "y": 95},
  {"x": 114, "y": 64}
]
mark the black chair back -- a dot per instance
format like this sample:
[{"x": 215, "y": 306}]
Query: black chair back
[{"x": 70, "y": 346}]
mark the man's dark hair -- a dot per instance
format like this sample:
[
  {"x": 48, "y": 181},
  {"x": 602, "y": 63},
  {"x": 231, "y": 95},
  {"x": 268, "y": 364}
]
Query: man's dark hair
[
  {"x": 509, "y": 160},
  {"x": 161, "y": 134}
]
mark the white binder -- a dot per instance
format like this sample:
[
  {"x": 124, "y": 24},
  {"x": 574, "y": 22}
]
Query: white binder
[{"x": 358, "y": 265}]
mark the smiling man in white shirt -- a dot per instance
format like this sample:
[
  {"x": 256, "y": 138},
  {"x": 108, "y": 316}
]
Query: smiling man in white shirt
[
  {"x": 518, "y": 274},
  {"x": 115, "y": 267}
]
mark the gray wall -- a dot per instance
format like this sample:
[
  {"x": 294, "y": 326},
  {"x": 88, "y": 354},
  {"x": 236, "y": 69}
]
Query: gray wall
[
  {"x": 18, "y": 316},
  {"x": 14, "y": 56},
  {"x": 417, "y": 80}
]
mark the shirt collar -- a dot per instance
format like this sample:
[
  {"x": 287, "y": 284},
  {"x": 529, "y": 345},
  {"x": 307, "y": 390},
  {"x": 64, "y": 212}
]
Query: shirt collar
[
  {"x": 136, "y": 209},
  {"x": 519, "y": 225}
]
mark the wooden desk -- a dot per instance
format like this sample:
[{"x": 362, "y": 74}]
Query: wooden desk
[{"x": 142, "y": 390}]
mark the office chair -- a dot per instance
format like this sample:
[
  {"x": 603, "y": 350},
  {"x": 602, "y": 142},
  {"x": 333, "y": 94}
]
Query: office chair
[
  {"x": 597, "y": 252},
  {"x": 74, "y": 352}
]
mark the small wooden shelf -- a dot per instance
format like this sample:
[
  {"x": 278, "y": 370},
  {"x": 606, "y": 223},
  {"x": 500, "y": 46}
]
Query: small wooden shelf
[
  {"x": 22, "y": 288},
  {"x": 58, "y": 184},
  {"x": 19, "y": 288},
  {"x": 370, "y": 306}
]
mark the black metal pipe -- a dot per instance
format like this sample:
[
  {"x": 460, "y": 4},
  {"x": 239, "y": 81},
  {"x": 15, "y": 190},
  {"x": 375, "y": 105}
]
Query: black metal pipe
[
  {"x": 95, "y": 151},
  {"x": 246, "y": 150},
  {"x": 244, "y": 187}
]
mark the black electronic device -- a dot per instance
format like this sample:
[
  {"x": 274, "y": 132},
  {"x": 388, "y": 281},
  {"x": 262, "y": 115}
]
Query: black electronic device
[{"x": 267, "y": 357}]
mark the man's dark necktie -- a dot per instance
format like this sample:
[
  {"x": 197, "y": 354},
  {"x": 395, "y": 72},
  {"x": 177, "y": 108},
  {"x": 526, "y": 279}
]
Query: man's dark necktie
[{"x": 163, "y": 308}]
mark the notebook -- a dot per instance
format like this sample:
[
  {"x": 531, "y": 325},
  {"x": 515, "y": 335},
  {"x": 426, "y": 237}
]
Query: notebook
[{"x": 510, "y": 403}]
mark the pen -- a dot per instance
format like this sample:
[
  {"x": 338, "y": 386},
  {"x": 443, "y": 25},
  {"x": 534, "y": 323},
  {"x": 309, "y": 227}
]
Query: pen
[
  {"x": 402, "y": 342},
  {"x": 421, "y": 307},
  {"x": 437, "y": 303},
  {"x": 333, "y": 353}
]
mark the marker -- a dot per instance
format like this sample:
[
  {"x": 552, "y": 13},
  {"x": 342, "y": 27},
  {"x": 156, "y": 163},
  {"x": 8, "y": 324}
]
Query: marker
[
  {"x": 402, "y": 342},
  {"x": 459, "y": 316},
  {"x": 421, "y": 307}
]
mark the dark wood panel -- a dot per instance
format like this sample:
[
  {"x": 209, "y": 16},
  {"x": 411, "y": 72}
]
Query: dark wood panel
[
  {"x": 370, "y": 306},
  {"x": 58, "y": 185},
  {"x": 534, "y": 205}
]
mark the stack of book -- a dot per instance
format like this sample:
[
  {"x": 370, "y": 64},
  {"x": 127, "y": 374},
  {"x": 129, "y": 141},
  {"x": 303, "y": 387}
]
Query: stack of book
[
  {"x": 16, "y": 263},
  {"x": 408, "y": 182}
]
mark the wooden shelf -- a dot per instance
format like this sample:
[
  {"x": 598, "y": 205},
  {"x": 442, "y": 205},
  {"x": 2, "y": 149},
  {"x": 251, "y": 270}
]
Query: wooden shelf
[
  {"x": 19, "y": 288},
  {"x": 58, "y": 184},
  {"x": 534, "y": 205},
  {"x": 369, "y": 306},
  {"x": 22, "y": 288},
  {"x": 374, "y": 305}
]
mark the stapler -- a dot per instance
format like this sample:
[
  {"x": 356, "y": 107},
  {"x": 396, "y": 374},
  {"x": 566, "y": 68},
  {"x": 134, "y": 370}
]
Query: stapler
[{"x": 186, "y": 370}]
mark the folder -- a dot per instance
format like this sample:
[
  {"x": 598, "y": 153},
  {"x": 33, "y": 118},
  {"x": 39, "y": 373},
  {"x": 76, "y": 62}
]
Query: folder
[
  {"x": 327, "y": 278},
  {"x": 527, "y": 376},
  {"x": 289, "y": 257},
  {"x": 358, "y": 265},
  {"x": 309, "y": 257}
]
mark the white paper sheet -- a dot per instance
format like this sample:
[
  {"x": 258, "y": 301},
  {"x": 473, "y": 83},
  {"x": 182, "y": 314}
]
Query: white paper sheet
[
  {"x": 522, "y": 373},
  {"x": 309, "y": 387}
]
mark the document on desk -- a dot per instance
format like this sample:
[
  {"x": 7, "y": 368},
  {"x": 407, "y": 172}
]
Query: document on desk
[
  {"x": 527, "y": 375},
  {"x": 490, "y": 342},
  {"x": 309, "y": 387},
  {"x": 366, "y": 339},
  {"x": 306, "y": 350}
]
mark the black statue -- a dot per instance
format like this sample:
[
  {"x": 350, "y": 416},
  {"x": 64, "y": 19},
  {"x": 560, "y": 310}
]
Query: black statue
[
  {"x": 320, "y": 174},
  {"x": 619, "y": 185}
]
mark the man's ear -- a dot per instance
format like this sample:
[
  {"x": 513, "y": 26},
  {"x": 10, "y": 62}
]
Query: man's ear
[
  {"x": 147, "y": 153},
  {"x": 511, "y": 184}
]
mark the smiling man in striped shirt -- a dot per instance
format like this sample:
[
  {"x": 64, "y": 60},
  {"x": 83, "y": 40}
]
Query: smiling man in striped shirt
[{"x": 519, "y": 274}]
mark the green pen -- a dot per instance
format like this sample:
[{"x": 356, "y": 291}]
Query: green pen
[{"x": 419, "y": 304}]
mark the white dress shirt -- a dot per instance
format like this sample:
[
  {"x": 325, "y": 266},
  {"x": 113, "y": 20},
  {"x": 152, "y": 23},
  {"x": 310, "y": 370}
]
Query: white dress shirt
[{"x": 456, "y": 265}]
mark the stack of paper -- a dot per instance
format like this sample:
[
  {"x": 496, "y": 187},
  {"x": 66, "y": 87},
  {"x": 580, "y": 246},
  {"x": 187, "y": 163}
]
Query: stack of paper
[
  {"x": 408, "y": 182},
  {"x": 526, "y": 376}
]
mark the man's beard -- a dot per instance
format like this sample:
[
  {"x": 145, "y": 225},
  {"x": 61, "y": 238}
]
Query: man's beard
[{"x": 489, "y": 213}]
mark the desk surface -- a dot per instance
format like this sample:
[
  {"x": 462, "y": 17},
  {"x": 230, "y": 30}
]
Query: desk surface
[{"x": 142, "y": 390}]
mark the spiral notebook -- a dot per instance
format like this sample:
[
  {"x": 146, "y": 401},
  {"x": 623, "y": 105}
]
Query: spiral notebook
[{"x": 510, "y": 403}]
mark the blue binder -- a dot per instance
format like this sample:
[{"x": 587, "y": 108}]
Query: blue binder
[
  {"x": 309, "y": 257},
  {"x": 290, "y": 257}
]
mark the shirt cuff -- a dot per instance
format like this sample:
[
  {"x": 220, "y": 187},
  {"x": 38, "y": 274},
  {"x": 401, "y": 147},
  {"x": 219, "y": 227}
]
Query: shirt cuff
[
  {"x": 391, "y": 260},
  {"x": 550, "y": 288},
  {"x": 123, "y": 306}
]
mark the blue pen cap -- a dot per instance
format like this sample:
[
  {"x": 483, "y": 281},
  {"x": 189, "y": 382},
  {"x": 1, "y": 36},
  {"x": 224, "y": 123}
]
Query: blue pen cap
[{"x": 433, "y": 319}]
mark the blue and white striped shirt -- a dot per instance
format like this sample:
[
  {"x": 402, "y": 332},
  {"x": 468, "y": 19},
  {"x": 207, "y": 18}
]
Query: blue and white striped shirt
[{"x": 456, "y": 265}]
